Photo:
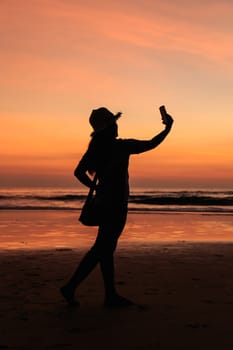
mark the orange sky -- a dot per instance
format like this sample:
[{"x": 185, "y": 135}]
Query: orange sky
[{"x": 61, "y": 59}]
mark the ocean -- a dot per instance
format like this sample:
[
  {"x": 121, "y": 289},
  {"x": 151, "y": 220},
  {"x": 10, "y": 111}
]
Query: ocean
[{"x": 140, "y": 200}]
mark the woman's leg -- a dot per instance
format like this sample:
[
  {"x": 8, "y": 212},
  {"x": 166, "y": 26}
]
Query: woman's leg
[
  {"x": 107, "y": 243},
  {"x": 102, "y": 252},
  {"x": 86, "y": 265},
  {"x": 107, "y": 240},
  {"x": 112, "y": 298}
]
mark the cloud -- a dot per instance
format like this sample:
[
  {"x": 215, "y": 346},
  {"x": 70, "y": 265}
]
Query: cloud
[{"x": 70, "y": 30}]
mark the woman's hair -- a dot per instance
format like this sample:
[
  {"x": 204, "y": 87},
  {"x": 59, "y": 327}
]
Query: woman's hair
[{"x": 100, "y": 147}]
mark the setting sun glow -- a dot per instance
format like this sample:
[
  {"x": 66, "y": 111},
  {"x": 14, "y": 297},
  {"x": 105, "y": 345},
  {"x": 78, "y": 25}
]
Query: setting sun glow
[{"x": 60, "y": 59}]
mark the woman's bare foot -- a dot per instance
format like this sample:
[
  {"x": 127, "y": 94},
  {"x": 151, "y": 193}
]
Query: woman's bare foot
[
  {"x": 117, "y": 301},
  {"x": 68, "y": 295}
]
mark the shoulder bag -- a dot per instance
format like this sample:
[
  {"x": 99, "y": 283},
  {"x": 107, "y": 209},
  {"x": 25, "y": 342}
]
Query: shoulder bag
[{"x": 90, "y": 212}]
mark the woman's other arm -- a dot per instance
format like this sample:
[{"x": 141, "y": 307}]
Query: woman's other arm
[{"x": 81, "y": 172}]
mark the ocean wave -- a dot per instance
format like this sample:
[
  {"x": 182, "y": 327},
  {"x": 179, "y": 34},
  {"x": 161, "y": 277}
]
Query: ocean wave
[
  {"x": 62, "y": 197},
  {"x": 170, "y": 209},
  {"x": 144, "y": 200},
  {"x": 182, "y": 200},
  {"x": 180, "y": 197}
]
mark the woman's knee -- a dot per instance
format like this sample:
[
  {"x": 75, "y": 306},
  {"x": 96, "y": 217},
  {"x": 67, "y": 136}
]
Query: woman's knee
[
  {"x": 104, "y": 246},
  {"x": 112, "y": 230}
]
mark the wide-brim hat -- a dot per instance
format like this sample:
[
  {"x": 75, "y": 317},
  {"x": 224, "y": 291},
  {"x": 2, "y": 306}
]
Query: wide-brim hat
[{"x": 101, "y": 118}]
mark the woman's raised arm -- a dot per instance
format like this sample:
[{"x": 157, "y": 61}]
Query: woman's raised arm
[{"x": 140, "y": 146}]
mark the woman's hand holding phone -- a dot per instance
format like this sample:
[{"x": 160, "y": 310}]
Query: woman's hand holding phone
[{"x": 166, "y": 118}]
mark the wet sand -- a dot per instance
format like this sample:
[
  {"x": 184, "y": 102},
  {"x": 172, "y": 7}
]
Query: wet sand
[
  {"x": 55, "y": 229},
  {"x": 183, "y": 290}
]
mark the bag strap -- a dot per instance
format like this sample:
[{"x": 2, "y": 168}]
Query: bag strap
[{"x": 93, "y": 186}]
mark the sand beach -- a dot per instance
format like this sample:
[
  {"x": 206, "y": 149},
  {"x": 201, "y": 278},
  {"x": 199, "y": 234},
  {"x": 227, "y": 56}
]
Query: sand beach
[{"x": 176, "y": 268}]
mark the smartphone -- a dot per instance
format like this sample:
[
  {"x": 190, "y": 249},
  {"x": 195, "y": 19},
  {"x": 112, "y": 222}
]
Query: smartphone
[{"x": 163, "y": 113}]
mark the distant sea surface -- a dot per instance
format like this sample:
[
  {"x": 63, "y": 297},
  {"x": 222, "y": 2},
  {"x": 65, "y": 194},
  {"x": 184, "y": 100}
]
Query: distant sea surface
[{"x": 141, "y": 200}]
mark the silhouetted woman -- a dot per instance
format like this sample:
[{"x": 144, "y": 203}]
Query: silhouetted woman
[{"x": 108, "y": 157}]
